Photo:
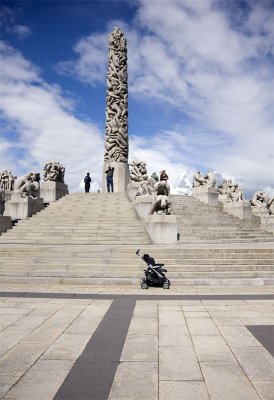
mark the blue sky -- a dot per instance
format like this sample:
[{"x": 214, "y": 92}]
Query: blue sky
[{"x": 201, "y": 87}]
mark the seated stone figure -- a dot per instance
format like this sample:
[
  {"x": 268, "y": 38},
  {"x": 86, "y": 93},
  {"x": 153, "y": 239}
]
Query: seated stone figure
[
  {"x": 198, "y": 179},
  {"x": 28, "y": 185},
  {"x": 235, "y": 193},
  {"x": 260, "y": 199},
  {"x": 146, "y": 186},
  {"x": 210, "y": 179},
  {"x": 161, "y": 203},
  {"x": 223, "y": 188}
]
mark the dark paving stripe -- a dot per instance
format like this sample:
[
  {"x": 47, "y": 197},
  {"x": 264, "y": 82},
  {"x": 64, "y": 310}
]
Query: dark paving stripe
[
  {"x": 92, "y": 374},
  {"x": 265, "y": 335},
  {"x": 103, "y": 296}
]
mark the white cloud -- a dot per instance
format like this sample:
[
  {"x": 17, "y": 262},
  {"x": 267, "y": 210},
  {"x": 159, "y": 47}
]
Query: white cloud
[{"x": 43, "y": 122}]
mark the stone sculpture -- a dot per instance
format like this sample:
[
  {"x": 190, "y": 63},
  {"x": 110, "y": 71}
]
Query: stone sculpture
[
  {"x": 223, "y": 188},
  {"x": 162, "y": 202},
  {"x": 260, "y": 199},
  {"x": 234, "y": 192},
  {"x": 116, "y": 145},
  {"x": 270, "y": 206},
  {"x": 7, "y": 180},
  {"x": 28, "y": 185},
  {"x": 209, "y": 180},
  {"x": 54, "y": 172},
  {"x": 137, "y": 171},
  {"x": 2, "y": 202},
  {"x": 146, "y": 186}
]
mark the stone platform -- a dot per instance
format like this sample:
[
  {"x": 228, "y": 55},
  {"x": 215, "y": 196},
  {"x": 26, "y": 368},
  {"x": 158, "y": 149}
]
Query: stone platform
[{"x": 67, "y": 343}]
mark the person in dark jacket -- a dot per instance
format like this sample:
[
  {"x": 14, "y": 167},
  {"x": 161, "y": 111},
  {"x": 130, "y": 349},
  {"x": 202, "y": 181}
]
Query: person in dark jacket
[
  {"x": 109, "y": 176},
  {"x": 87, "y": 181}
]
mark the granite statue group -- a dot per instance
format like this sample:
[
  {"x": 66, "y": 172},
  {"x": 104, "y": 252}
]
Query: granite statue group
[
  {"x": 230, "y": 191},
  {"x": 150, "y": 186},
  {"x": 28, "y": 186}
]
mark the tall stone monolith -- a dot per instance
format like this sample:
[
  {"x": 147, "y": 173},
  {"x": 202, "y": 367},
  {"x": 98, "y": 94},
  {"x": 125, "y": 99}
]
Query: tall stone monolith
[{"x": 116, "y": 142}]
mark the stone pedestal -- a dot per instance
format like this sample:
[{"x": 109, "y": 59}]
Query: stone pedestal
[
  {"x": 207, "y": 195},
  {"x": 162, "y": 229},
  {"x": 51, "y": 191},
  {"x": 23, "y": 207},
  {"x": 5, "y": 223},
  {"x": 132, "y": 189},
  {"x": 120, "y": 177},
  {"x": 267, "y": 223},
  {"x": 239, "y": 209},
  {"x": 143, "y": 205},
  {"x": 259, "y": 211}
]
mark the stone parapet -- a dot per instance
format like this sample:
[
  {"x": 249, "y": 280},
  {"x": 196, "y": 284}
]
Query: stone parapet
[
  {"x": 267, "y": 223},
  {"x": 23, "y": 207},
  {"x": 5, "y": 223},
  {"x": 51, "y": 191},
  {"x": 239, "y": 209},
  {"x": 162, "y": 229},
  {"x": 207, "y": 195},
  {"x": 143, "y": 205},
  {"x": 260, "y": 211}
]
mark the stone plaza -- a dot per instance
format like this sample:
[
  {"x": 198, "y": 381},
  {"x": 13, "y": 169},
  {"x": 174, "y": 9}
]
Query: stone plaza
[{"x": 75, "y": 322}]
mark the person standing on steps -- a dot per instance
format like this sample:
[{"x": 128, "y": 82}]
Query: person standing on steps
[
  {"x": 109, "y": 176},
  {"x": 87, "y": 181}
]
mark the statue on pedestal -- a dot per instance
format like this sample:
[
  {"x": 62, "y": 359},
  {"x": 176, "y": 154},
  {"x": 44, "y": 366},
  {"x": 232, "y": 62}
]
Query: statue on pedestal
[
  {"x": 54, "y": 171},
  {"x": 223, "y": 188},
  {"x": 234, "y": 192},
  {"x": 7, "y": 180},
  {"x": 260, "y": 199},
  {"x": 146, "y": 186},
  {"x": 162, "y": 202},
  {"x": 28, "y": 185},
  {"x": 209, "y": 180}
]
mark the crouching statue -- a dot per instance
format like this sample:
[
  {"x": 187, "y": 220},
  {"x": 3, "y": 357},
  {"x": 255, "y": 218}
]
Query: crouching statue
[
  {"x": 162, "y": 202},
  {"x": 28, "y": 185}
]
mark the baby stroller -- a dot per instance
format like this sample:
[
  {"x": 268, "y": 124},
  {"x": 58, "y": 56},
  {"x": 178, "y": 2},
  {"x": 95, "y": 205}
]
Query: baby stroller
[{"x": 154, "y": 274}]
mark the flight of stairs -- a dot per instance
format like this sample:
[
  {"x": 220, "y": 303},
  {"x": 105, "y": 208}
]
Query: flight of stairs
[
  {"x": 197, "y": 222},
  {"x": 92, "y": 239}
]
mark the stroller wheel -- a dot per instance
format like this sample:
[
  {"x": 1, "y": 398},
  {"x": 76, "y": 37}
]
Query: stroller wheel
[
  {"x": 144, "y": 285},
  {"x": 166, "y": 284}
]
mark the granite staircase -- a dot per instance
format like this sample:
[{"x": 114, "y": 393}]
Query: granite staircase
[{"x": 91, "y": 239}]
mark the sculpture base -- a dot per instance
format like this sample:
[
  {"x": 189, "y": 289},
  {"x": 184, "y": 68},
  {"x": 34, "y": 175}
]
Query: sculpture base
[
  {"x": 51, "y": 191},
  {"x": 132, "y": 189},
  {"x": 222, "y": 198},
  {"x": 5, "y": 223},
  {"x": 143, "y": 205},
  {"x": 162, "y": 229},
  {"x": 23, "y": 207},
  {"x": 207, "y": 195},
  {"x": 267, "y": 223},
  {"x": 120, "y": 177},
  {"x": 8, "y": 194},
  {"x": 260, "y": 211},
  {"x": 239, "y": 209}
]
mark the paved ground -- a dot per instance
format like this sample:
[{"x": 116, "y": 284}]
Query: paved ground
[{"x": 119, "y": 343}]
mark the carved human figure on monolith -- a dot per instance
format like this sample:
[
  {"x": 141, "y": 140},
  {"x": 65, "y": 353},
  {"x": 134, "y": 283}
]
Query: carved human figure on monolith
[{"x": 116, "y": 145}]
